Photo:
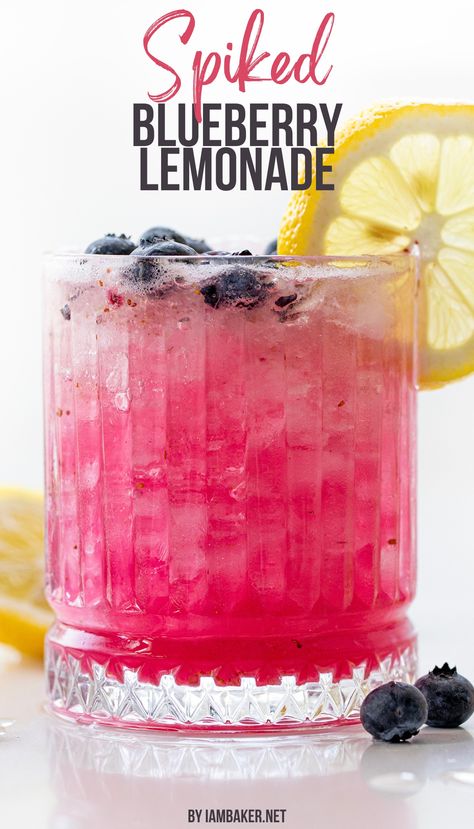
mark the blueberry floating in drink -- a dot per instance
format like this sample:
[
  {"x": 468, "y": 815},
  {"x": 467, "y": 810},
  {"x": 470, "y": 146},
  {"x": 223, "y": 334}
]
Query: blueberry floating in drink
[
  {"x": 145, "y": 272},
  {"x": 159, "y": 233},
  {"x": 239, "y": 286},
  {"x": 165, "y": 247},
  {"x": 111, "y": 245}
]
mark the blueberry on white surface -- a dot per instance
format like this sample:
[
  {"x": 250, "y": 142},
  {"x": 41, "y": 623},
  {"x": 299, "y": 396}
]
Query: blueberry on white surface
[
  {"x": 450, "y": 697},
  {"x": 394, "y": 712},
  {"x": 110, "y": 244}
]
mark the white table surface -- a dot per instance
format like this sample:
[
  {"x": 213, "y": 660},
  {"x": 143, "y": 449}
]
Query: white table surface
[{"x": 59, "y": 776}]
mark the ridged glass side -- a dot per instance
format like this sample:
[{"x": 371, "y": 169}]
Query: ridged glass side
[
  {"x": 93, "y": 695},
  {"x": 230, "y": 471}
]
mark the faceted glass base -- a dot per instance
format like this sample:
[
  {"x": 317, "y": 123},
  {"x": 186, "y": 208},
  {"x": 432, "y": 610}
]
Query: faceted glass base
[{"x": 91, "y": 695}]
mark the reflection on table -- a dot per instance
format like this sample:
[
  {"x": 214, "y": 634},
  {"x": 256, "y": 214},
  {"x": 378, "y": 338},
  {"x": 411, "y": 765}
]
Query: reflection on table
[{"x": 102, "y": 778}]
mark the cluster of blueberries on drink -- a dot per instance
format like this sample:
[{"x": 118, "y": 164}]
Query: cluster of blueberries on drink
[
  {"x": 396, "y": 711},
  {"x": 236, "y": 285}
]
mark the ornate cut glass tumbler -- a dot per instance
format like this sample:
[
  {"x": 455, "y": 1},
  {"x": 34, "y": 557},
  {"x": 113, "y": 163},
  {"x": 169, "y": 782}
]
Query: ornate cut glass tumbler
[{"x": 230, "y": 477}]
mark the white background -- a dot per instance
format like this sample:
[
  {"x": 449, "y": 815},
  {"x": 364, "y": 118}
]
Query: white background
[{"x": 69, "y": 74}]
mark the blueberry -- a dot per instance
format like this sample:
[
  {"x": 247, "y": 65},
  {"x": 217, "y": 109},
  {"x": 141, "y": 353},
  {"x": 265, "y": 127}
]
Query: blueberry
[
  {"x": 199, "y": 245},
  {"x": 238, "y": 286},
  {"x": 165, "y": 247},
  {"x": 394, "y": 712},
  {"x": 112, "y": 244},
  {"x": 144, "y": 272},
  {"x": 228, "y": 253},
  {"x": 66, "y": 312},
  {"x": 449, "y": 695},
  {"x": 283, "y": 301},
  {"x": 271, "y": 248},
  {"x": 157, "y": 234}
]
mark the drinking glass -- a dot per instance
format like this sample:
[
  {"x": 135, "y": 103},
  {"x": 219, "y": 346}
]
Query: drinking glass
[{"x": 230, "y": 478}]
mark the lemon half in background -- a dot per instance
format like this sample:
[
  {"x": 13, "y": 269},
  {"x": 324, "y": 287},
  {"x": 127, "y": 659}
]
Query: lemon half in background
[
  {"x": 24, "y": 613},
  {"x": 404, "y": 174}
]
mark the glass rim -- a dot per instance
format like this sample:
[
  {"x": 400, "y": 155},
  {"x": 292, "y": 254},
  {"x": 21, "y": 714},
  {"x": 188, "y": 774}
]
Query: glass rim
[{"x": 319, "y": 259}]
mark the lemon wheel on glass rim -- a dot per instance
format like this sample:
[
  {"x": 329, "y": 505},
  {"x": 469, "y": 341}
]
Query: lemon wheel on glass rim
[
  {"x": 403, "y": 175},
  {"x": 24, "y": 613}
]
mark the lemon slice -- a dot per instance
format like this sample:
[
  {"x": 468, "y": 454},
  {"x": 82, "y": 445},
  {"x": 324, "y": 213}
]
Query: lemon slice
[
  {"x": 404, "y": 175},
  {"x": 24, "y": 614}
]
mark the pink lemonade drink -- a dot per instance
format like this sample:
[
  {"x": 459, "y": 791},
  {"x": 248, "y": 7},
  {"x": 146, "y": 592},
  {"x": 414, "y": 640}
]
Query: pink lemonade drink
[{"x": 230, "y": 475}]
